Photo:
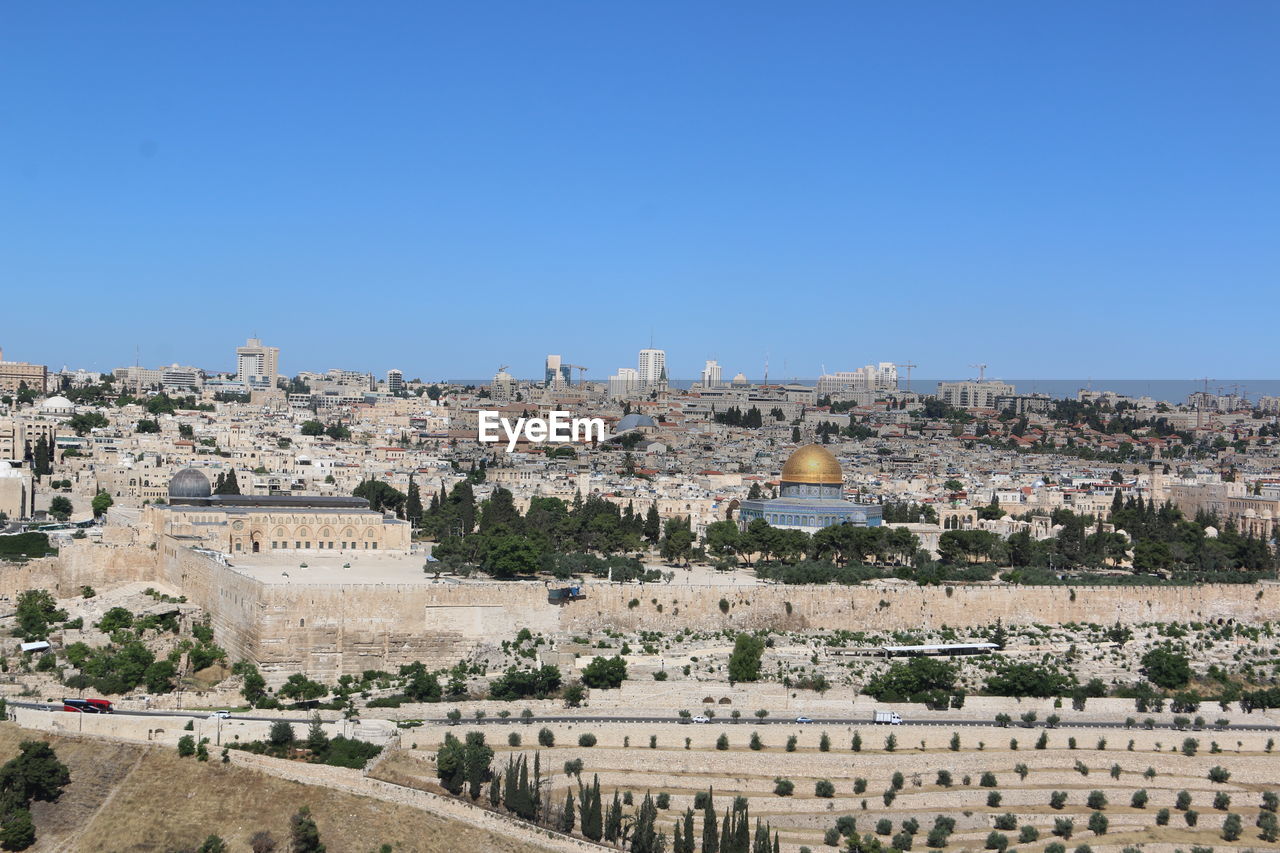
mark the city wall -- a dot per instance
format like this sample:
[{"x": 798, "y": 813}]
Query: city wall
[{"x": 330, "y": 629}]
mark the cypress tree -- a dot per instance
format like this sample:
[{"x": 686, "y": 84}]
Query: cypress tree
[
  {"x": 566, "y": 816},
  {"x": 710, "y": 835}
]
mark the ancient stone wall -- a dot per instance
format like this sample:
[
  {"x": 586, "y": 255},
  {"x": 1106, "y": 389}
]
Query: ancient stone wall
[{"x": 326, "y": 630}]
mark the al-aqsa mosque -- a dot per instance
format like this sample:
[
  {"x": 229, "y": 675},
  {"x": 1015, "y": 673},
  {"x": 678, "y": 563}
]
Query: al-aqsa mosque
[{"x": 811, "y": 496}]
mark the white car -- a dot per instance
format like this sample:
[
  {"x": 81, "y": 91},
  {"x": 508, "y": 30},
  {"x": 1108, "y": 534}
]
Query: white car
[
  {"x": 804, "y": 719},
  {"x": 220, "y": 715},
  {"x": 701, "y": 719}
]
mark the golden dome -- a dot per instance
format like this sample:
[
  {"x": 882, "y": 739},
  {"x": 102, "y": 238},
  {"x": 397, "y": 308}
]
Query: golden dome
[{"x": 812, "y": 464}]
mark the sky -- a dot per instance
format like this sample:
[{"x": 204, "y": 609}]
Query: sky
[{"x": 1054, "y": 189}]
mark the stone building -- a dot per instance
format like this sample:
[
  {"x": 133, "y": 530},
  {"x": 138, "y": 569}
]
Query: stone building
[{"x": 253, "y": 524}]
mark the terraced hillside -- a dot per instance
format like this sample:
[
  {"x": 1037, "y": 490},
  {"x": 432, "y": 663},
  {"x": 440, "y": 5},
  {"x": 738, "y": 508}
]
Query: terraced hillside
[{"x": 984, "y": 784}]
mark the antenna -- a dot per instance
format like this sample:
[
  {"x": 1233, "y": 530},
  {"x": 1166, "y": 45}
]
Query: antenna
[
  {"x": 982, "y": 368},
  {"x": 908, "y": 365},
  {"x": 766, "y": 367}
]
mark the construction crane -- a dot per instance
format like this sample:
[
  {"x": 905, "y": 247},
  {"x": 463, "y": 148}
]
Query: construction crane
[
  {"x": 982, "y": 371},
  {"x": 908, "y": 365},
  {"x": 582, "y": 371}
]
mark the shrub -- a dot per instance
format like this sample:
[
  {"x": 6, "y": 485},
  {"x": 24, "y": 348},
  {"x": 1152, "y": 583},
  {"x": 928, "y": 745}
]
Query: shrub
[
  {"x": 897, "y": 781},
  {"x": 783, "y": 787},
  {"x": 888, "y": 796},
  {"x": 1063, "y": 827},
  {"x": 824, "y": 743},
  {"x": 1006, "y": 821},
  {"x": 722, "y": 742},
  {"x": 831, "y": 837},
  {"x": 1270, "y": 801},
  {"x": 1162, "y": 817},
  {"x": 902, "y": 841},
  {"x": 1055, "y": 847},
  {"x": 859, "y": 785},
  {"x": 756, "y": 743},
  {"x": 1191, "y": 816},
  {"x": 1222, "y": 801},
  {"x": 546, "y": 737},
  {"x": 1219, "y": 774},
  {"x": 1231, "y": 827},
  {"x": 996, "y": 841},
  {"x": 1058, "y": 799},
  {"x": 513, "y": 739},
  {"x": 186, "y": 746},
  {"x": 884, "y": 826},
  {"x": 824, "y": 788},
  {"x": 586, "y": 739},
  {"x": 1183, "y": 801},
  {"x": 791, "y": 743},
  {"x": 1139, "y": 799},
  {"x": 988, "y": 780},
  {"x": 1096, "y": 800},
  {"x": 663, "y": 800},
  {"x": 944, "y": 778},
  {"x": 993, "y": 799},
  {"x": 1028, "y": 834},
  {"x": 1098, "y": 823},
  {"x": 936, "y": 839}
]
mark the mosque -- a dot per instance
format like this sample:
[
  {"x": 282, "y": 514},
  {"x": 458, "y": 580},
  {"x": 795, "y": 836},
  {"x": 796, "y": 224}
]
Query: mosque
[{"x": 811, "y": 496}]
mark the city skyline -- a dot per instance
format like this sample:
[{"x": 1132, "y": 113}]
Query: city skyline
[{"x": 949, "y": 189}]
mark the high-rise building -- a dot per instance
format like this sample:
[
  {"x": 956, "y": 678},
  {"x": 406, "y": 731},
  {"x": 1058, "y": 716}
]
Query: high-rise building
[
  {"x": 395, "y": 381},
  {"x": 624, "y": 383},
  {"x": 15, "y": 374},
  {"x": 872, "y": 377},
  {"x": 711, "y": 374},
  {"x": 557, "y": 374},
  {"x": 652, "y": 366},
  {"x": 257, "y": 366},
  {"x": 974, "y": 395}
]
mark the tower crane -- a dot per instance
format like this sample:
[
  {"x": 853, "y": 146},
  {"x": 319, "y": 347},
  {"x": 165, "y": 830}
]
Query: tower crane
[
  {"x": 582, "y": 371},
  {"x": 982, "y": 370}
]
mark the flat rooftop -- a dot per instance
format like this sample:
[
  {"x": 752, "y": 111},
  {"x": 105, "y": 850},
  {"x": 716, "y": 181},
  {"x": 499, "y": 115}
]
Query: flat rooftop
[{"x": 352, "y": 567}]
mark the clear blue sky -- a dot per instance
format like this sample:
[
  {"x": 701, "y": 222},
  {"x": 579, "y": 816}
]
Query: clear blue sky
[{"x": 1056, "y": 189}]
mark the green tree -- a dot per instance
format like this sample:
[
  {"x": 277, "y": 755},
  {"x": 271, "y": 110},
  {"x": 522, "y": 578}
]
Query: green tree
[
  {"x": 254, "y": 687},
  {"x": 605, "y": 673},
  {"x": 35, "y": 610},
  {"x": 18, "y": 831},
  {"x": 744, "y": 661},
  {"x": 1166, "y": 667},
  {"x": 102, "y": 501},
  {"x": 304, "y": 836},
  {"x": 60, "y": 508}
]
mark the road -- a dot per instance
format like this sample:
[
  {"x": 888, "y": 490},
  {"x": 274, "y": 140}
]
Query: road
[{"x": 605, "y": 719}]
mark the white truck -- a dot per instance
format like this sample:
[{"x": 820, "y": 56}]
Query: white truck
[{"x": 892, "y": 718}]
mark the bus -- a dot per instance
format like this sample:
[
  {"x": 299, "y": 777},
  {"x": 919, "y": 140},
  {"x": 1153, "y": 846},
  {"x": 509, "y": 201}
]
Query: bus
[{"x": 87, "y": 706}]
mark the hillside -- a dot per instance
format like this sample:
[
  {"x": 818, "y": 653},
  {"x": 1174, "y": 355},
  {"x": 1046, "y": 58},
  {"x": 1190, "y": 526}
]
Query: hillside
[{"x": 125, "y": 797}]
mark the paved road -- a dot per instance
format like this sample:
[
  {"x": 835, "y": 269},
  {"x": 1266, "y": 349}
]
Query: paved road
[{"x": 600, "y": 718}]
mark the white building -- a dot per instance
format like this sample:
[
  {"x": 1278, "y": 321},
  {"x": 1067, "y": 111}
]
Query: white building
[
  {"x": 395, "y": 381},
  {"x": 974, "y": 395},
  {"x": 711, "y": 374},
  {"x": 652, "y": 366},
  {"x": 624, "y": 383},
  {"x": 872, "y": 377},
  {"x": 257, "y": 366}
]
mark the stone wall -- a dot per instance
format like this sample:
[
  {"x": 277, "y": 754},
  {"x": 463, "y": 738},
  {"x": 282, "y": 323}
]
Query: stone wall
[{"x": 326, "y": 630}]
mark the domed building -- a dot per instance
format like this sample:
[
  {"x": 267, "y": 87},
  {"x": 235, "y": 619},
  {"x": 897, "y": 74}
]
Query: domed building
[
  {"x": 811, "y": 496},
  {"x": 187, "y": 484}
]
